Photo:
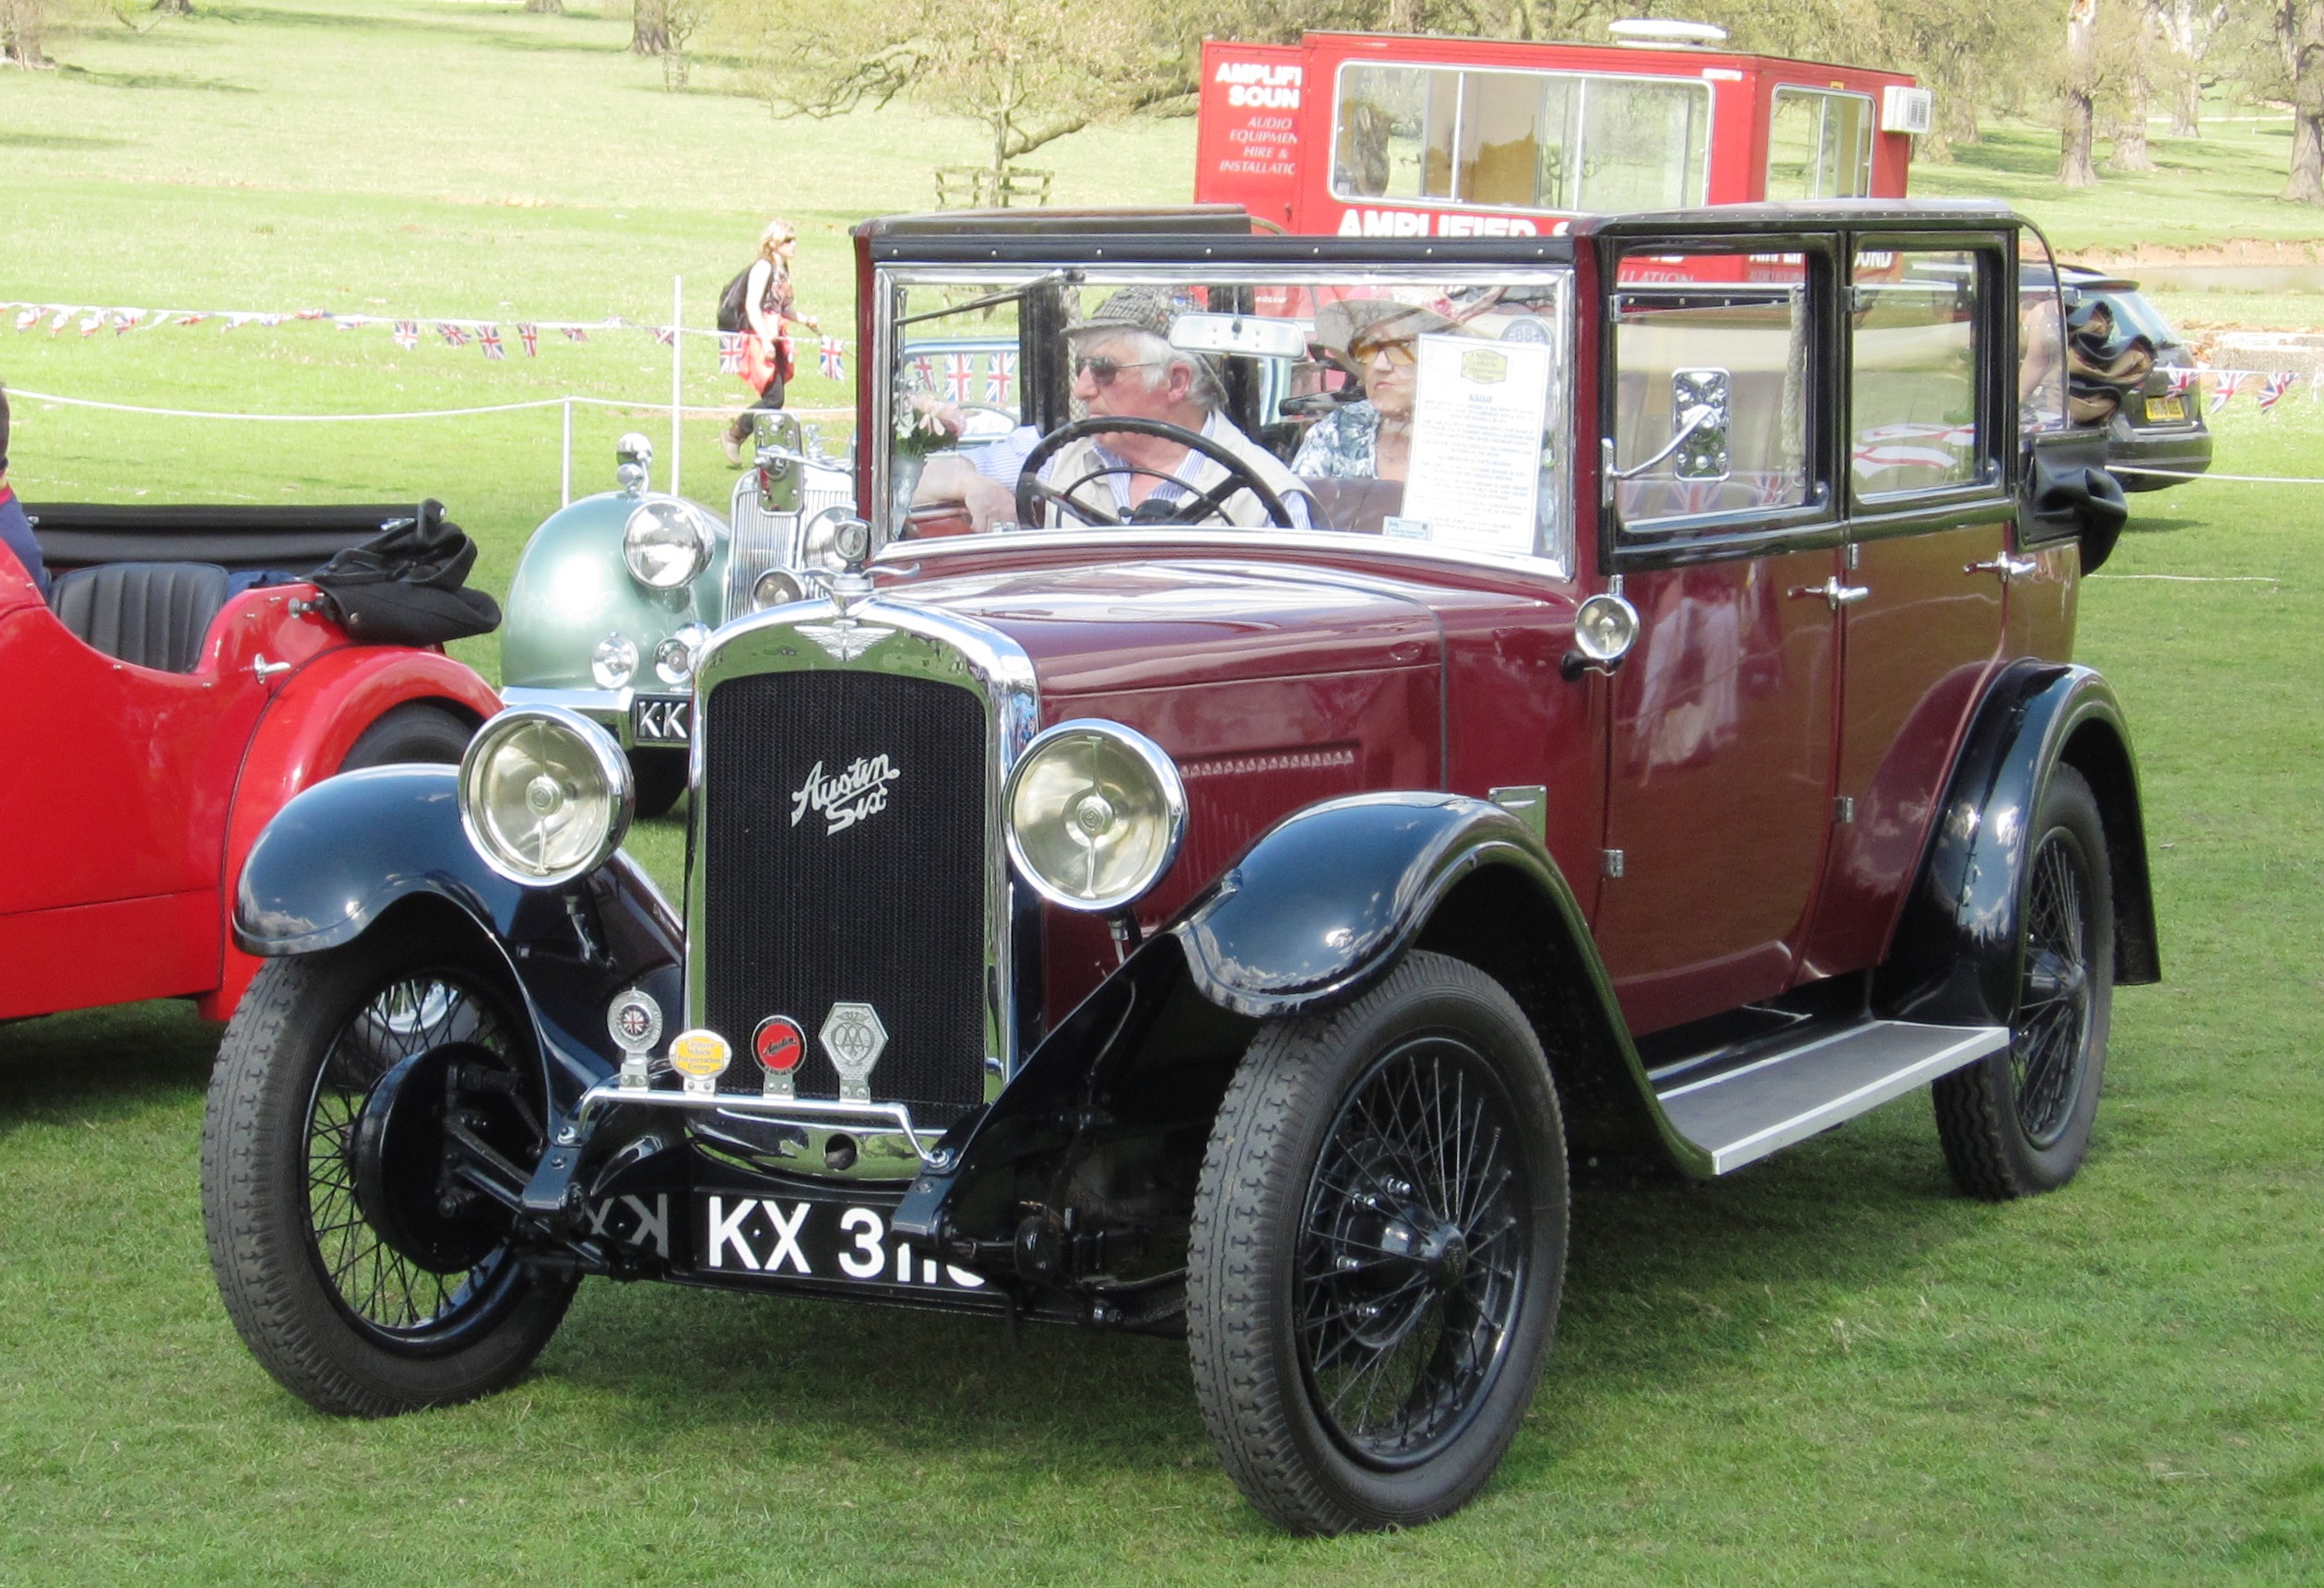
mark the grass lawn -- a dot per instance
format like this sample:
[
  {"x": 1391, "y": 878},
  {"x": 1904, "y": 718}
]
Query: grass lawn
[{"x": 1826, "y": 1369}]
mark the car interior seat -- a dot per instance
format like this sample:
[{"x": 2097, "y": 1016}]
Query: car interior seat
[{"x": 148, "y": 614}]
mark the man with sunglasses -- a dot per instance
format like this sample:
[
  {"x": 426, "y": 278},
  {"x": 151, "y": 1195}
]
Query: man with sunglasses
[{"x": 1125, "y": 367}]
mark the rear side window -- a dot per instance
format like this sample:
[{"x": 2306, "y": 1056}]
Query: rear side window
[
  {"x": 1711, "y": 384},
  {"x": 1914, "y": 371}
]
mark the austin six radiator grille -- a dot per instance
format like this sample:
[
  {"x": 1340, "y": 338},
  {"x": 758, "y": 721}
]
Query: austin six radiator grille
[{"x": 844, "y": 863}]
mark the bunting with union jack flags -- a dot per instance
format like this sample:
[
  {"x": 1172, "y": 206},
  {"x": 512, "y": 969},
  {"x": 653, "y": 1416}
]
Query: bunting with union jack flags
[
  {"x": 1000, "y": 379},
  {"x": 832, "y": 359},
  {"x": 454, "y": 336},
  {"x": 530, "y": 335},
  {"x": 489, "y": 336},
  {"x": 2272, "y": 390},
  {"x": 960, "y": 377},
  {"x": 406, "y": 334},
  {"x": 2225, "y": 385},
  {"x": 730, "y": 353}
]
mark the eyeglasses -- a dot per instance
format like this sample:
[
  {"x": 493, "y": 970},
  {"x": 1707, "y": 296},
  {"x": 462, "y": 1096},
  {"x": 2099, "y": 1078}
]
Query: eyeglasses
[
  {"x": 1396, "y": 350},
  {"x": 1101, "y": 370}
]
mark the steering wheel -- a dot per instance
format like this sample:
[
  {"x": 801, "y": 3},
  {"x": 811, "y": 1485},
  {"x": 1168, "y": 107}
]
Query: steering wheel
[{"x": 1033, "y": 493}]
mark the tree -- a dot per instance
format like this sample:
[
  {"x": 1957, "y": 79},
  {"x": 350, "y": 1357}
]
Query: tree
[
  {"x": 2299, "y": 31},
  {"x": 1030, "y": 71},
  {"x": 2131, "y": 138},
  {"x": 23, "y": 34},
  {"x": 546, "y": 7},
  {"x": 649, "y": 27},
  {"x": 2078, "y": 96}
]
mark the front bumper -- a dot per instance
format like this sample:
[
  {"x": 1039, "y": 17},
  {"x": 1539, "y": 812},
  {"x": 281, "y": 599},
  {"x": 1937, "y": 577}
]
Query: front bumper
[{"x": 2175, "y": 449}]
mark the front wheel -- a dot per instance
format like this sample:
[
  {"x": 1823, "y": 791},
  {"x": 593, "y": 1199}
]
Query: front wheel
[
  {"x": 2019, "y": 1122},
  {"x": 372, "y": 1286},
  {"x": 1377, "y": 1250}
]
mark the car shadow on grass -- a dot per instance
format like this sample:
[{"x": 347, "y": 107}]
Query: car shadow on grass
[
  {"x": 1668, "y": 1282},
  {"x": 97, "y": 1065}
]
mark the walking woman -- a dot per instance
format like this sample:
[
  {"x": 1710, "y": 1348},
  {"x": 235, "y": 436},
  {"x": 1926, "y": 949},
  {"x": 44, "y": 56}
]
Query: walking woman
[{"x": 767, "y": 315}]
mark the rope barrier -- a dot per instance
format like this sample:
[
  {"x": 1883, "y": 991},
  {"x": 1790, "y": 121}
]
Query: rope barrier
[
  {"x": 2236, "y": 479},
  {"x": 726, "y": 413}
]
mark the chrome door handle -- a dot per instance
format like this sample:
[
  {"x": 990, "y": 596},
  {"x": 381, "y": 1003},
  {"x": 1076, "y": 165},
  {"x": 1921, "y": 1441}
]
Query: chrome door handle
[
  {"x": 1835, "y": 594},
  {"x": 265, "y": 669},
  {"x": 2009, "y": 567}
]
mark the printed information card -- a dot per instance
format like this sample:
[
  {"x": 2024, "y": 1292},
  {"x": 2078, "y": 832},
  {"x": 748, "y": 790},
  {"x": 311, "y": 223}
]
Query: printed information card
[{"x": 1478, "y": 414}]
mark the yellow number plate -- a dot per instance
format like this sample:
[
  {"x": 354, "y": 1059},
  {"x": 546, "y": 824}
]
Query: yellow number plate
[{"x": 2166, "y": 408}]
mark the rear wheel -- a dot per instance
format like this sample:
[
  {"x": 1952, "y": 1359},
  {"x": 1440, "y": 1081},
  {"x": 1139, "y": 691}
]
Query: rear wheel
[
  {"x": 415, "y": 732},
  {"x": 2019, "y": 1122},
  {"x": 660, "y": 777},
  {"x": 371, "y": 1284},
  {"x": 1377, "y": 1250}
]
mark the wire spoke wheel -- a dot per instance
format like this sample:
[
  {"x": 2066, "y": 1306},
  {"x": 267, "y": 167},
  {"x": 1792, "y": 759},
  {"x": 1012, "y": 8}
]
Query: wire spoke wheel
[
  {"x": 2047, "y": 1046},
  {"x": 2018, "y": 1121},
  {"x": 382, "y": 1289},
  {"x": 1408, "y": 1277},
  {"x": 357, "y": 1242},
  {"x": 1377, "y": 1252}
]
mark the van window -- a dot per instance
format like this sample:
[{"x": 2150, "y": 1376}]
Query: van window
[
  {"x": 1523, "y": 140},
  {"x": 1819, "y": 144}
]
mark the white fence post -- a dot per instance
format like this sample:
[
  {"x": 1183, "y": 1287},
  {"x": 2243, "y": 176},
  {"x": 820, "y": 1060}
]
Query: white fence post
[
  {"x": 677, "y": 370},
  {"x": 564, "y": 479}
]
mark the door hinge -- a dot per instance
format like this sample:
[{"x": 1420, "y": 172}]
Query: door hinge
[
  {"x": 1610, "y": 863},
  {"x": 1844, "y": 810}
]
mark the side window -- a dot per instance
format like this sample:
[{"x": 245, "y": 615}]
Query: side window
[
  {"x": 2041, "y": 379},
  {"x": 1819, "y": 144},
  {"x": 1396, "y": 132},
  {"x": 1912, "y": 368},
  {"x": 1711, "y": 385}
]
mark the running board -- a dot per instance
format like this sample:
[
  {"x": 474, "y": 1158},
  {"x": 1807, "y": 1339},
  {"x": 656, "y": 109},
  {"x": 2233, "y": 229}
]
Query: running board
[{"x": 1742, "y": 1114}]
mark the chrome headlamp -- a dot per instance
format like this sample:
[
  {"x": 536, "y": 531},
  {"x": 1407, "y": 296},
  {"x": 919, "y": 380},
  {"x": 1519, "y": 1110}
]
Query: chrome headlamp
[
  {"x": 666, "y": 544},
  {"x": 1095, "y": 812},
  {"x": 545, "y": 795}
]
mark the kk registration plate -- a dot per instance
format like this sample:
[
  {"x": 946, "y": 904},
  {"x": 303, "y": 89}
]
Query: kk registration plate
[
  {"x": 2165, "y": 409},
  {"x": 828, "y": 1240},
  {"x": 661, "y": 718}
]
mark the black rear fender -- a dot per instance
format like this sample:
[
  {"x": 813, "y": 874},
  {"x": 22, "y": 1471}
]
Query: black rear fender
[{"x": 1954, "y": 957}]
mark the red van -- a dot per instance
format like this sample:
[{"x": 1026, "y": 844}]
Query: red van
[{"x": 1383, "y": 134}]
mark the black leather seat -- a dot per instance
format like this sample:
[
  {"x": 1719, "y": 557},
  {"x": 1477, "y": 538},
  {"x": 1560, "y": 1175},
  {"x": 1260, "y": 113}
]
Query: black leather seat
[{"x": 150, "y": 614}]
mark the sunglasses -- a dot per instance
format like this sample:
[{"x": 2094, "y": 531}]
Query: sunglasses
[
  {"x": 1102, "y": 370},
  {"x": 1397, "y": 350}
]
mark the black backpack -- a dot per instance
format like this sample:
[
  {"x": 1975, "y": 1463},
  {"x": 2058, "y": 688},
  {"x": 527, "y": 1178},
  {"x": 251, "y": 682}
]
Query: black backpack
[
  {"x": 732, "y": 316},
  {"x": 407, "y": 585}
]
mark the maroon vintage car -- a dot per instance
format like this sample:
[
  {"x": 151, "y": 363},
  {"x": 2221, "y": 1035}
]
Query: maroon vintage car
[{"x": 1398, "y": 723}]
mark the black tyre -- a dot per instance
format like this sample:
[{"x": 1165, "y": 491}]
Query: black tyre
[
  {"x": 347, "y": 1320},
  {"x": 414, "y": 732},
  {"x": 2019, "y": 1122},
  {"x": 660, "y": 777},
  {"x": 1378, "y": 1251}
]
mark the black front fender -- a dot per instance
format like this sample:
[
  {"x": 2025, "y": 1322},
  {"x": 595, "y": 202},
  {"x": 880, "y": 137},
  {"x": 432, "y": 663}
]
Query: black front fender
[
  {"x": 1317, "y": 910},
  {"x": 383, "y": 850},
  {"x": 1955, "y": 955},
  {"x": 1328, "y": 901}
]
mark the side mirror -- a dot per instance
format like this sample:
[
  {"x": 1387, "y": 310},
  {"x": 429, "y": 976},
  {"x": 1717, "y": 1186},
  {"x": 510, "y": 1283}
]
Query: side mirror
[{"x": 776, "y": 440}]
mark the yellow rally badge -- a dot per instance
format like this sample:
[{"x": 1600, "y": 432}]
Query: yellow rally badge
[{"x": 701, "y": 1057}]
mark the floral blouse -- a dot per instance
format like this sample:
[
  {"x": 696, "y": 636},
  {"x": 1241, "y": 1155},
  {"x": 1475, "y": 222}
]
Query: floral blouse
[{"x": 1343, "y": 444}]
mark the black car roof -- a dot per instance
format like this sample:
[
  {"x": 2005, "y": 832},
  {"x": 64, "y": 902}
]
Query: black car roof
[{"x": 1194, "y": 232}]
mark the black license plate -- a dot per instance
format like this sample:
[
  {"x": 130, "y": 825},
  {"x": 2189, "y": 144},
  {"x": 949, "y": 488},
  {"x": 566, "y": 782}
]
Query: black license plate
[
  {"x": 823, "y": 1240},
  {"x": 661, "y": 718}
]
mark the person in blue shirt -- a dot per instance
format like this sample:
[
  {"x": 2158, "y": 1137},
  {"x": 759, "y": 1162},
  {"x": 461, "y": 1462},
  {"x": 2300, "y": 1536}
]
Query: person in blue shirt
[{"x": 15, "y": 528}]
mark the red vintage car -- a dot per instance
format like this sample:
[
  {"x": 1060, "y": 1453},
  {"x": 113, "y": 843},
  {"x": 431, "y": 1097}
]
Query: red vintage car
[
  {"x": 156, "y": 722},
  {"x": 1410, "y": 720}
]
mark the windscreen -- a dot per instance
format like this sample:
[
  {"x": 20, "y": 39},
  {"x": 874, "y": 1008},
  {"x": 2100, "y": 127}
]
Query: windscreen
[{"x": 1428, "y": 410}]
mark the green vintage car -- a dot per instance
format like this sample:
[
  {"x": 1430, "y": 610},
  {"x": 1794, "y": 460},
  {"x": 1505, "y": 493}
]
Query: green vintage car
[{"x": 616, "y": 593}]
